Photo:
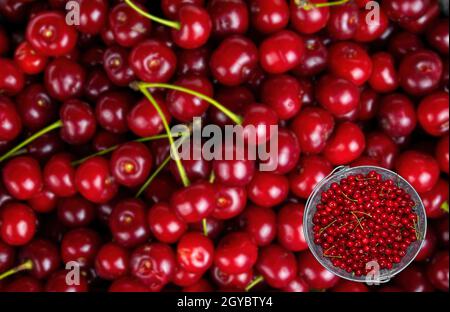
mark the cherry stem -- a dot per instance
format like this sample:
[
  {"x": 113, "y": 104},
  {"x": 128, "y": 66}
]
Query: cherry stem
[
  {"x": 168, "y": 23},
  {"x": 181, "y": 170},
  {"x": 255, "y": 282},
  {"x": 27, "y": 265},
  {"x": 153, "y": 176},
  {"x": 445, "y": 207},
  {"x": 205, "y": 226},
  {"x": 234, "y": 117},
  {"x": 307, "y": 5},
  {"x": 35, "y": 136},
  {"x": 212, "y": 177}
]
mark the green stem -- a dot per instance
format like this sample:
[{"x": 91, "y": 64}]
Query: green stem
[
  {"x": 27, "y": 265},
  {"x": 307, "y": 5},
  {"x": 255, "y": 282},
  {"x": 444, "y": 206},
  {"x": 235, "y": 118},
  {"x": 181, "y": 170},
  {"x": 172, "y": 24},
  {"x": 205, "y": 227},
  {"x": 152, "y": 177},
  {"x": 35, "y": 136}
]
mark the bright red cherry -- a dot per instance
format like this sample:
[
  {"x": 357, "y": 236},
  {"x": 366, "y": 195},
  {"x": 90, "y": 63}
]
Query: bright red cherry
[
  {"x": 372, "y": 30},
  {"x": 196, "y": 27},
  {"x": 12, "y": 79},
  {"x": 59, "y": 175},
  {"x": 384, "y": 76},
  {"x": 238, "y": 281},
  {"x": 81, "y": 246},
  {"x": 298, "y": 284},
  {"x": 290, "y": 227},
  {"x": 269, "y": 16},
  {"x": 79, "y": 123},
  {"x": 195, "y": 252},
  {"x": 437, "y": 271},
  {"x": 260, "y": 123},
  {"x": 346, "y": 145},
  {"x": 396, "y": 115},
  {"x": 22, "y": 177},
  {"x": 314, "y": 273},
  {"x": 433, "y": 113},
  {"x": 112, "y": 261},
  {"x": 405, "y": 9},
  {"x": 282, "y": 94},
  {"x": 17, "y": 224},
  {"x": 164, "y": 223},
  {"x": 93, "y": 16},
  {"x": 343, "y": 21},
  {"x": 308, "y": 21},
  {"x": 10, "y": 121},
  {"x": 230, "y": 201},
  {"x": 236, "y": 253},
  {"x": 436, "y": 199},
  {"x": 268, "y": 189},
  {"x": 442, "y": 153},
  {"x": 277, "y": 265},
  {"x": 259, "y": 223},
  {"x": 29, "y": 60},
  {"x": 236, "y": 170},
  {"x": 337, "y": 95},
  {"x": 229, "y": 17},
  {"x": 194, "y": 202}
]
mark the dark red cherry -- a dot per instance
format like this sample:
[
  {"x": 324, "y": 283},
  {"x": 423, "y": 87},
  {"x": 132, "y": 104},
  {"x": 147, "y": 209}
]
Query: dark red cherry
[
  {"x": 350, "y": 287},
  {"x": 7, "y": 256},
  {"x": 196, "y": 27},
  {"x": 81, "y": 246},
  {"x": 195, "y": 166},
  {"x": 406, "y": 9},
  {"x": 112, "y": 261},
  {"x": 396, "y": 115},
  {"x": 210, "y": 227},
  {"x": 162, "y": 188},
  {"x": 269, "y": 16},
  {"x": 193, "y": 61},
  {"x": 238, "y": 281},
  {"x": 194, "y": 203},
  {"x": 128, "y": 26},
  {"x": 368, "y": 104},
  {"x": 233, "y": 62},
  {"x": 46, "y": 146},
  {"x": 308, "y": 21},
  {"x": 312, "y": 170},
  {"x": 201, "y": 285},
  {"x": 29, "y": 60},
  {"x": 93, "y": 16},
  {"x": 260, "y": 124},
  {"x": 58, "y": 283},
  {"x": 337, "y": 95},
  {"x": 371, "y": 27},
  {"x": 438, "y": 36},
  {"x": 420, "y": 72},
  {"x": 171, "y": 7},
  {"x": 281, "y": 52},
  {"x": 128, "y": 223},
  {"x": 343, "y": 21},
  {"x": 64, "y": 79},
  {"x": 419, "y": 169},
  {"x": 22, "y": 284},
  {"x": 346, "y": 145},
  {"x": 128, "y": 284},
  {"x": 59, "y": 175},
  {"x": 97, "y": 83},
  {"x": 94, "y": 180},
  {"x": 164, "y": 223},
  {"x": 290, "y": 227},
  {"x": 4, "y": 41},
  {"x": 268, "y": 189},
  {"x": 413, "y": 279},
  {"x": 44, "y": 257},
  {"x": 437, "y": 271},
  {"x": 50, "y": 35},
  {"x": 259, "y": 223},
  {"x": 381, "y": 147},
  {"x": 433, "y": 113},
  {"x": 420, "y": 24},
  {"x": 313, "y": 126},
  {"x": 384, "y": 76},
  {"x": 12, "y": 79},
  {"x": 79, "y": 123},
  {"x": 282, "y": 94},
  {"x": 22, "y": 177},
  {"x": 277, "y": 265},
  {"x": 442, "y": 153},
  {"x": 428, "y": 246},
  {"x": 195, "y": 252},
  {"x": 315, "y": 58},
  {"x": 117, "y": 67},
  {"x": 10, "y": 120},
  {"x": 153, "y": 264},
  {"x": 314, "y": 273},
  {"x": 229, "y": 17},
  {"x": 17, "y": 224},
  {"x": 236, "y": 253},
  {"x": 152, "y": 61},
  {"x": 185, "y": 107},
  {"x": 403, "y": 43},
  {"x": 436, "y": 199},
  {"x": 75, "y": 212},
  {"x": 131, "y": 164},
  {"x": 442, "y": 232},
  {"x": 112, "y": 109},
  {"x": 229, "y": 201},
  {"x": 236, "y": 170}
]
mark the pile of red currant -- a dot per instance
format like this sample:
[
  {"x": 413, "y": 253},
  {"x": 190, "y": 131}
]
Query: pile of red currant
[{"x": 88, "y": 93}]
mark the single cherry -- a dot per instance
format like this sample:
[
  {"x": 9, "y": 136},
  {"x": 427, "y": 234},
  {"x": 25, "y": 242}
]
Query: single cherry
[
  {"x": 277, "y": 266},
  {"x": 195, "y": 252},
  {"x": 17, "y": 224}
]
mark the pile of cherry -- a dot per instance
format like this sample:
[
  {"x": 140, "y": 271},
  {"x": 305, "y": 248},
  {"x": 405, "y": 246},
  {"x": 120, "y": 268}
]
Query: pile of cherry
[{"x": 85, "y": 176}]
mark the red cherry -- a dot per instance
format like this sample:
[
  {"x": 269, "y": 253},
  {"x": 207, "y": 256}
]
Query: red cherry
[
  {"x": 282, "y": 94},
  {"x": 12, "y": 79},
  {"x": 93, "y": 16},
  {"x": 442, "y": 153},
  {"x": 259, "y": 121},
  {"x": 298, "y": 284},
  {"x": 384, "y": 76},
  {"x": 259, "y": 223},
  {"x": 230, "y": 201},
  {"x": 17, "y": 224},
  {"x": 368, "y": 104},
  {"x": 403, "y": 43},
  {"x": 59, "y": 175},
  {"x": 79, "y": 123},
  {"x": 184, "y": 278},
  {"x": 420, "y": 24},
  {"x": 64, "y": 79},
  {"x": 127, "y": 284},
  {"x": 58, "y": 283},
  {"x": 277, "y": 265},
  {"x": 29, "y": 61},
  {"x": 117, "y": 66},
  {"x": 195, "y": 252},
  {"x": 164, "y": 223},
  {"x": 44, "y": 257},
  {"x": 268, "y": 189},
  {"x": 308, "y": 21},
  {"x": 236, "y": 253},
  {"x": 229, "y": 17},
  {"x": 112, "y": 109},
  {"x": 437, "y": 271},
  {"x": 196, "y": 27},
  {"x": 10, "y": 121},
  {"x": 224, "y": 280},
  {"x": 290, "y": 227},
  {"x": 75, "y": 212},
  {"x": 97, "y": 83},
  {"x": 438, "y": 36},
  {"x": 194, "y": 61},
  {"x": 314, "y": 273},
  {"x": 435, "y": 199},
  {"x": 236, "y": 170},
  {"x": 24, "y": 284},
  {"x": 81, "y": 246},
  {"x": 346, "y": 145},
  {"x": 407, "y": 9},
  {"x": 381, "y": 147},
  {"x": 337, "y": 95},
  {"x": 433, "y": 113},
  {"x": 22, "y": 177},
  {"x": 350, "y": 287},
  {"x": 413, "y": 279},
  {"x": 200, "y": 286},
  {"x": 269, "y": 16},
  {"x": 171, "y": 7},
  {"x": 397, "y": 115},
  {"x": 7, "y": 256},
  {"x": 343, "y": 21},
  {"x": 370, "y": 29},
  {"x": 43, "y": 202},
  {"x": 315, "y": 58},
  {"x": 112, "y": 262},
  {"x": 194, "y": 203},
  {"x": 428, "y": 246}
]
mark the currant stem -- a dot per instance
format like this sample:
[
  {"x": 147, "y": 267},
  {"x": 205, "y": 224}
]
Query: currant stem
[
  {"x": 35, "y": 136},
  {"x": 172, "y": 24},
  {"x": 235, "y": 118},
  {"x": 255, "y": 282},
  {"x": 323, "y": 229},
  {"x": 27, "y": 265}
]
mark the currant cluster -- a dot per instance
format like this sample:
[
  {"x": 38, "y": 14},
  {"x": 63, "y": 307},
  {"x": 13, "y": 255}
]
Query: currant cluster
[{"x": 87, "y": 99}]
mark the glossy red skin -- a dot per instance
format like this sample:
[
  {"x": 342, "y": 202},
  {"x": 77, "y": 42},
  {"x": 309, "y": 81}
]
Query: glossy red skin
[
  {"x": 64, "y": 79},
  {"x": 46, "y": 146},
  {"x": 75, "y": 212},
  {"x": 23, "y": 284},
  {"x": 59, "y": 175},
  {"x": 57, "y": 283},
  {"x": 315, "y": 275},
  {"x": 346, "y": 145},
  {"x": 337, "y": 95},
  {"x": 269, "y": 16},
  {"x": 183, "y": 278},
  {"x": 438, "y": 36},
  {"x": 420, "y": 24},
  {"x": 62, "y": 39},
  {"x": 128, "y": 223},
  {"x": 17, "y": 224},
  {"x": 43, "y": 202},
  {"x": 194, "y": 62},
  {"x": 428, "y": 246},
  {"x": 185, "y": 107},
  {"x": 343, "y": 21},
  {"x": 268, "y": 189},
  {"x": 437, "y": 271},
  {"x": 381, "y": 147},
  {"x": 313, "y": 126},
  {"x": 224, "y": 280},
  {"x": 194, "y": 203},
  {"x": 315, "y": 58},
  {"x": 112, "y": 261},
  {"x": 281, "y": 52},
  {"x": 196, "y": 169},
  {"x": 229, "y": 17},
  {"x": 12, "y": 79},
  {"x": 29, "y": 61},
  {"x": 117, "y": 66},
  {"x": 22, "y": 177},
  {"x": 384, "y": 76},
  {"x": 153, "y": 264},
  {"x": 367, "y": 32},
  {"x": 128, "y": 284},
  {"x": 93, "y": 179},
  {"x": 290, "y": 227},
  {"x": 35, "y": 107},
  {"x": 419, "y": 169},
  {"x": 259, "y": 125},
  {"x": 80, "y": 245},
  {"x": 234, "y": 172},
  {"x": 195, "y": 252},
  {"x": 230, "y": 201},
  {"x": 111, "y": 111},
  {"x": 443, "y": 232},
  {"x": 259, "y": 223},
  {"x": 233, "y": 62},
  {"x": 312, "y": 169},
  {"x": 7, "y": 256},
  {"x": 350, "y": 287},
  {"x": 404, "y": 42},
  {"x": 236, "y": 253},
  {"x": 93, "y": 16},
  {"x": 164, "y": 223},
  {"x": 433, "y": 113},
  {"x": 413, "y": 279},
  {"x": 10, "y": 120},
  {"x": 409, "y": 9},
  {"x": 282, "y": 94},
  {"x": 128, "y": 26},
  {"x": 434, "y": 199},
  {"x": 171, "y": 7},
  {"x": 214, "y": 227},
  {"x": 442, "y": 153},
  {"x": 396, "y": 115},
  {"x": 298, "y": 284},
  {"x": 79, "y": 123},
  {"x": 97, "y": 83},
  {"x": 196, "y": 27},
  {"x": 277, "y": 265},
  {"x": 308, "y": 21},
  {"x": 350, "y": 61},
  {"x": 200, "y": 286},
  {"x": 420, "y": 72}
]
